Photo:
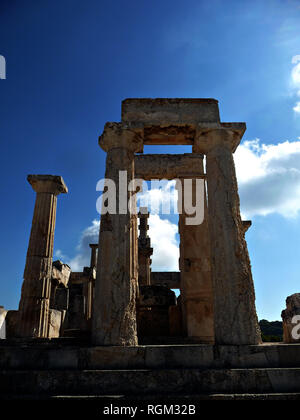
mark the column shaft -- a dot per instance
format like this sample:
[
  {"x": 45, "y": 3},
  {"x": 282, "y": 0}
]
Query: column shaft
[
  {"x": 234, "y": 298},
  {"x": 144, "y": 249},
  {"x": 35, "y": 297},
  {"x": 94, "y": 248},
  {"x": 196, "y": 279},
  {"x": 114, "y": 320}
]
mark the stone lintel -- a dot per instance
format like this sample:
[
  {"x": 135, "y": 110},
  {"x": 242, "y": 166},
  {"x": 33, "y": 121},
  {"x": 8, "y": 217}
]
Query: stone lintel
[
  {"x": 133, "y": 135},
  {"x": 120, "y": 135},
  {"x": 167, "y": 166},
  {"x": 170, "y": 110},
  {"x": 53, "y": 184},
  {"x": 169, "y": 134},
  {"x": 170, "y": 279}
]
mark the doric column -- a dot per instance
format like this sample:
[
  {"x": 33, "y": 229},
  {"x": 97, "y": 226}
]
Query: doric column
[
  {"x": 35, "y": 297},
  {"x": 195, "y": 267},
  {"x": 94, "y": 249},
  {"x": 234, "y": 298},
  {"x": 114, "y": 317},
  {"x": 145, "y": 250}
]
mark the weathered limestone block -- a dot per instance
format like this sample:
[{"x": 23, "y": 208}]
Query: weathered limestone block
[
  {"x": 3, "y": 313},
  {"x": 153, "y": 311},
  {"x": 290, "y": 328},
  {"x": 175, "y": 320},
  {"x": 89, "y": 287},
  {"x": 156, "y": 296},
  {"x": 35, "y": 298},
  {"x": 60, "y": 279},
  {"x": 55, "y": 323},
  {"x": 76, "y": 314},
  {"x": 234, "y": 298},
  {"x": 61, "y": 299},
  {"x": 166, "y": 166},
  {"x": 94, "y": 252},
  {"x": 170, "y": 279},
  {"x": 204, "y": 139},
  {"x": 114, "y": 317},
  {"x": 196, "y": 277},
  {"x": 12, "y": 324},
  {"x": 144, "y": 248},
  {"x": 61, "y": 273},
  {"x": 83, "y": 284},
  {"x": 170, "y": 110},
  {"x": 144, "y": 264}
]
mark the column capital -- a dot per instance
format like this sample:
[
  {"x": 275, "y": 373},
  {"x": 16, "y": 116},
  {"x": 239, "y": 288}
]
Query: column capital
[
  {"x": 143, "y": 213},
  {"x": 52, "y": 184},
  {"x": 93, "y": 246},
  {"x": 209, "y": 136},
  {"x": 120, "y": 135},
  {"x": 246, "y": 225}
]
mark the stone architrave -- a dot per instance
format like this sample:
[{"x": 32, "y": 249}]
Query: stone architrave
[
  {"x": 235, "y": 316},
  {"x": 114, "y": 316},
  {"x": 35, "y": 296},
  {"x": 195, "y": 266}
]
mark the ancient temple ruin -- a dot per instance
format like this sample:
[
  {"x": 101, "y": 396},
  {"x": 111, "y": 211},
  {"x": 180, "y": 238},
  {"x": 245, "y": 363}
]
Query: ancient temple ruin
[
  {"x": 112, "y": 297},
  {"x": 118, "y": 302},
  {"x": 217, "y": 292}
]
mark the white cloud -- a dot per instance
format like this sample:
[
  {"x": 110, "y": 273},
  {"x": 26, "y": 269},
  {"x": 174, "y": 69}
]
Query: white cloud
[
  {"x": 165, "y": 246},
  {"x": 269, "y": 182},
  {"x": 269, "y": 178},
  {"x": 295, "y": 81},
  {"x": 163, "y": 238},
  {"x": 82, "y": 256},
  {"x": 297, "y": 107},
  {"x": 296, "y": 59},
  {"x": 296, "y": 75},
  {"x": 160, "y": 197}
]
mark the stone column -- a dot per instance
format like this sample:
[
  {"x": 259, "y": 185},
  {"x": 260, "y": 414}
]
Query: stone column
[
  {"x": 3, "y": 313},
  {"x": 234, "y": 298},
  {"x": 90, "y": 286},
  {"x": 114, "y": 316},
  {"x": 94, "y": 249},
  {"x": 196, "y": 278},
  {"x": 145, "y": 250},
  {"x": 35, "y": 297}
]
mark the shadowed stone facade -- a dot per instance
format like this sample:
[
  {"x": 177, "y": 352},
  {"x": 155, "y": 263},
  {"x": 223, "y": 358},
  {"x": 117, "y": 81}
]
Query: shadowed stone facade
[
  {"x": 217, "y": 291},
  {"x": 117, "y": 328},
  {"x": 118, "y": 300}
]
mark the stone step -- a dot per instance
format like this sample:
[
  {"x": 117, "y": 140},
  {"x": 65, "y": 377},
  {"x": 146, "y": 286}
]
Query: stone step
[
  {"x": 154, "y": 398},
  {"x": 147, "y": 382},
  {"x": 181, "y": 398},
  {"x": 65, "y": 354}
]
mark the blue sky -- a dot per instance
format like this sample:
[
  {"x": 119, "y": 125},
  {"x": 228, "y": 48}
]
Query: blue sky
[{"x": 71, "y": 63}]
